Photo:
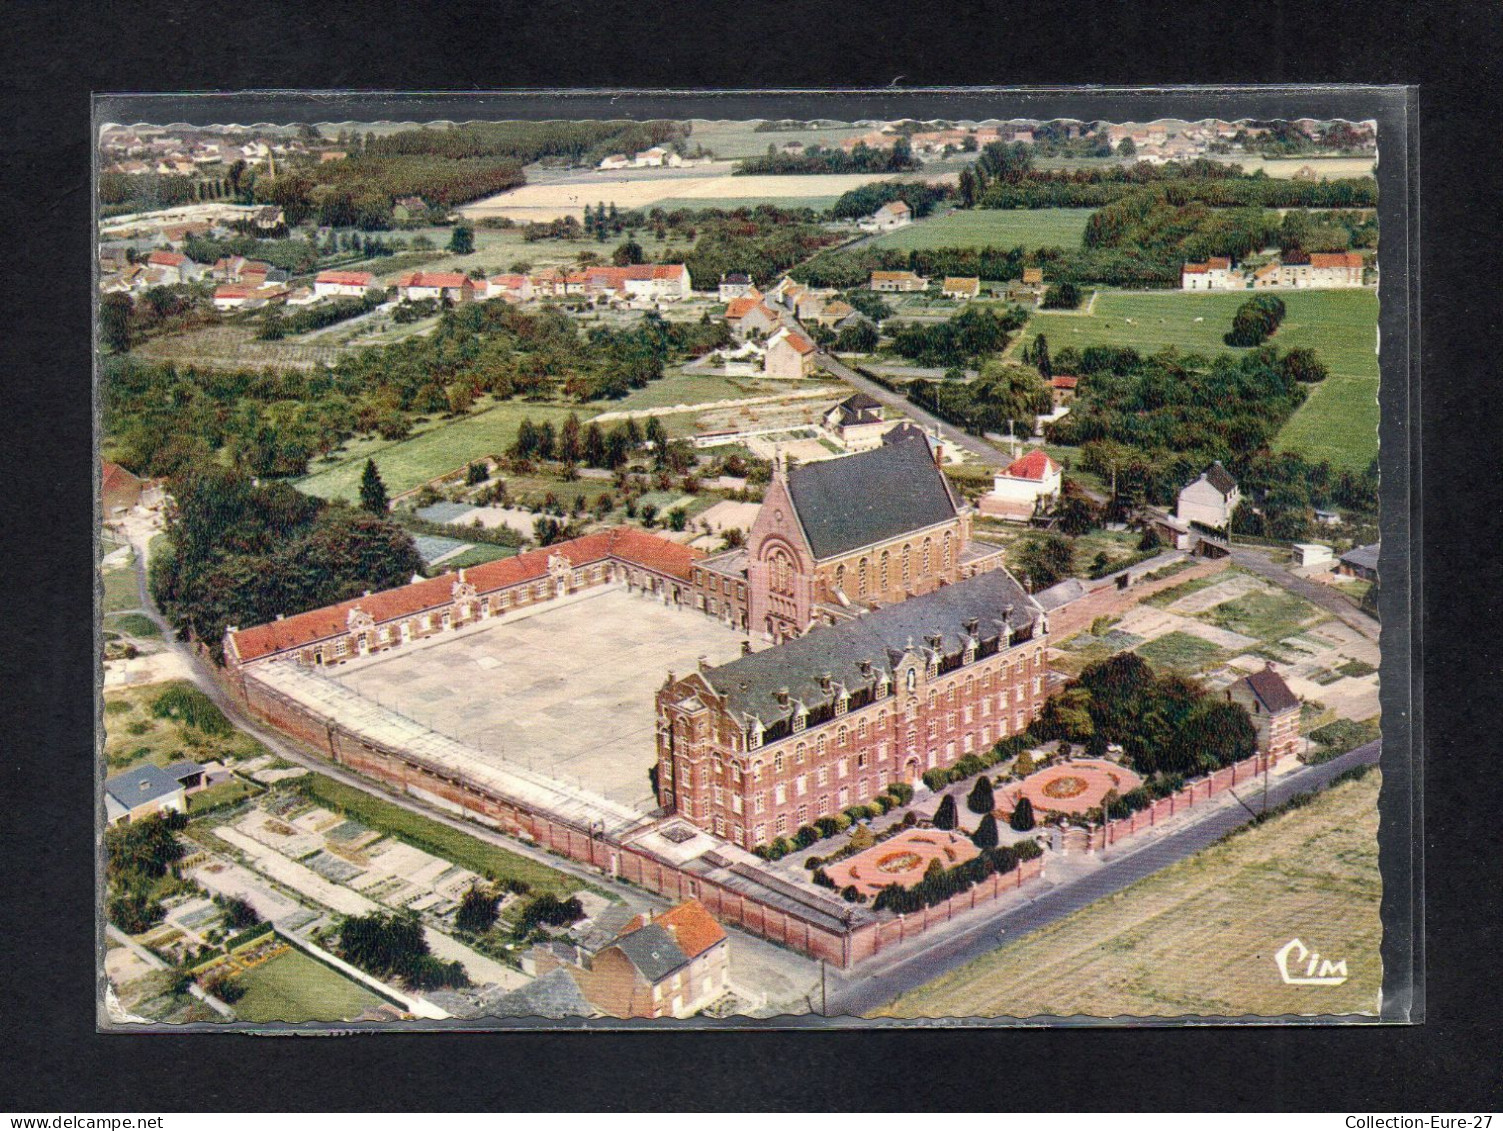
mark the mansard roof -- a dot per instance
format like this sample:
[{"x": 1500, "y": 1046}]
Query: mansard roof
[
  {"x": 751, "y": 684},
  {"x": 844, "y": 504}
]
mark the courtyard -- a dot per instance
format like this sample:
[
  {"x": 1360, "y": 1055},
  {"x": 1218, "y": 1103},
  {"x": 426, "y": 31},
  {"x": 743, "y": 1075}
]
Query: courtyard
[{"x": 565, "y": 689}]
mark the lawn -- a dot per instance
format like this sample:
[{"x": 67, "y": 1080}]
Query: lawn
[
  {"x": 433, "y": 449},
  {"x": 294, "y": 987},
  {"x": 133, "y": 734},
  {"x": 1182, "y": 652},
  {"x": 1028, "y": 228},
  {"x": 1199, "y": 936},
  {"x": 479, "y": 554},
  {"x": 729, "y": 203},
  {"x": 222, "y": 793},
  {"x": 132, "y": 624},
  {"x": 120, "y": 591},
  {"x": 1266, "y": 614},
  {"x": 1339, "y": 423},
  {"x": 497, "y": 249},
  {"x": 731, "y": 141},
  {"x": 235, "y": 346},
  {"x": 1166, "y": 597},
  {"x": 696, "y": 389},
  {"x": 432, "y": 836}
]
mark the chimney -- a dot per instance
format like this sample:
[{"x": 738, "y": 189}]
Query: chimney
[
  {"x": 824, "y": 682},
  {"x": 782, "y": 696},
  {"x": 972, "y": 626},
  {"x": 704, "y": 663},
  {"x": 936, "y": 641},
  {"x": 865, "y": 666}
]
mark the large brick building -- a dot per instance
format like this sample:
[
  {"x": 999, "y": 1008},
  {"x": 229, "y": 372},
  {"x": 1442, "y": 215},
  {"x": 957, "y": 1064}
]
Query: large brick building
[
  {"x": 391, "y": 618},
  {"x": 759, "y": 747},
  {"x": 838, "y": 537}
]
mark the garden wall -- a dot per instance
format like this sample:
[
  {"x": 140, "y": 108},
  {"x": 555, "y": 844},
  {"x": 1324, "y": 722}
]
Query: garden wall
[
  {"x": 1109, "y": 601},
  {"x": 1077, "y": 839}
]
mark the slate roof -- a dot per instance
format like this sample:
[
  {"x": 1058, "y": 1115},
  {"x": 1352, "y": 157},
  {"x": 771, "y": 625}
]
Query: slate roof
[
  {"x": 653, "y": 952},
  {"x": 555, "y": 994},
  {"x": 141, "y": 786},
  {"x": 1068, "y": 590},
  {"x": 1272, "y": 691},
  {"x": 1220, "y": 478},
  {"x": 860, "y": 409},
  {"x": 751, "y": 683},
  {"x": 844, "y": 504},
  {"x": 907, "y": 430},
  {"x": 1364, "y": 557}
]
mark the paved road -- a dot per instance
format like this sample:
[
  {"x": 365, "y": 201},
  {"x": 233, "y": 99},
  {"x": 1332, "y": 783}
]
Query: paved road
[
  {"x": 1317, "y": 593},
  {"x": 977, "y": 447},
  {"x": 865, "y": 989}
]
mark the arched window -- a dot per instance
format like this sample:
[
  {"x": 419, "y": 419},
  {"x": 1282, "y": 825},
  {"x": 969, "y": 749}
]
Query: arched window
[
  {"x": 907, "y": 564},
  {"x": 819, "y": 747},
  {"x": 947, "y": 551},
  {"x": 843, "y": 736},
  {"x": 883, "y": 575},
  {"x": 861, "y": 579},
  {"x": 840, "y": 578},
  {"x": 798, "y": 753},
  {"x": 927, "y": 558},
  {"x": 777, "y": 762}
]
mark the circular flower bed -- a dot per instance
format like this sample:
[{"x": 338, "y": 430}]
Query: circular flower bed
[
  {"x": 1061, "y": 788},
  {"x": 895, "y": 862}
]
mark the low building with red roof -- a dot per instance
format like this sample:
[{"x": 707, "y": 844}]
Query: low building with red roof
[
  {"x": 379, "y": 621},
  {"x": 667, "y": 282},
  {"x": 342, "y": 284},
  {"x": 419, "y": 286},
  {"x": 1215, "y": 274},
  {"x": 789, "y": 354},
  {"x": 1023, "y": 486},
  {"x": 749, "y": 316},
  {"x": 1062, "y": 388},
  {"x": 232, "y": 296},
  {"x": 174, "y": 266}
]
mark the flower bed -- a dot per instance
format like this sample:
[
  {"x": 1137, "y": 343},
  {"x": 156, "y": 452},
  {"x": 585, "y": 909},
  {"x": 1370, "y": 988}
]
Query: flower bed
[
  {"x": 1071, "y": 788},
  {"x": 902, "y": 860}
]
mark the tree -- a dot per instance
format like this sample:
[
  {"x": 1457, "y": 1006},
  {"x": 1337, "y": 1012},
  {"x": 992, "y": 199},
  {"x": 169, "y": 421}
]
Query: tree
[
  {"x": 462, "y": 241},
  {"x": 1302, "y": 364},
  {"x": 115, "y": 312},
  {"x": 657, "y": 439},
  {"x": 372, "y": 490},
  {"x": 1061, "y": 296},
  {"x": 628, "y": 254},
  {"x": 1046, "y": 561},
  {"x": 1022, "y": 816},
  {"x": 1127, "y": 148},
  {"x": 985, "y": 835},
  {"x": 980, "y": 799},
  {"x": 477, "y": 912},
  {"x": 859, "y": 337},
  {"x": 967, "y": 188},
  {"x": 945, "y": 816}
]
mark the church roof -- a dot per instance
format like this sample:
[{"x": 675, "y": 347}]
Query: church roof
[
  {"x": 844, "y": 504},
  {"x": 751, "y": 683}
]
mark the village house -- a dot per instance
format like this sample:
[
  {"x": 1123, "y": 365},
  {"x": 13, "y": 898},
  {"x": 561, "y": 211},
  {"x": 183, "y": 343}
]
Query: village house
[
  {"x": 645, "y": 282},
  {"x": 342, "y": 284},
  {"x": 1028, "y": 289},
  {"x": 874, "y": 140},
  {"x": 961, "y": 289},
  {"x": 174, "y": 266},
  {"x": 1023, "y": 486},
  {"x": 785, "y": 294},
  {"x": 1274, "y": 710},
  {"x": 789, "y": 354},
  {"x": 1215, "y": 274},
  {"x": 668, "y": 965},
  {"x": 418, "y": 286},
  {"x": 856, "y": 423},
  {"x": 1360, "y": 562},
  {"x": 1062, "y": 388},
  {"x": 150, "y": 790},
  {"x": 900, "y": 282},
  {"x": 830, "y": 314},
  {"x": 122, "y": 490},
  {"x": 233, "y": 296},
  {"x": 735, "y": 285},
  {"x": 1210, "y": 500},
  {"x": 891, "y": 216},
  {"x": 760, "y": 747},
  {"x": 1313, "y": 555},
  {"x": 509, "y": 288},
  {"x": 409, "y": 209},
  {"x": 750, "y": 317},
  {"x": 1318, "y": 271},
  {"x": 615, "y": 161}
]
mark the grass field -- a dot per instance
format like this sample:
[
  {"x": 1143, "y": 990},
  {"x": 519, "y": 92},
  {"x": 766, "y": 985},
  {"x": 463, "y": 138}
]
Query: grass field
[
  {"x": 695, "y": 389},
  {"x": 433, "y": 449},
  {"x": 432, "y": 836},
  {"x": 294, "y": 987},
  {"x": 731, "y": 141},
  {"x": 496, "y": 249},
  {"x": 1338, "y": 422},
  {"x": 132, "y": 624},
  {"x": 120, "y": 592},
  {"x": 1181, "y": 652},
  {"x": 1266, "y": 614},
  {"x": 234, "y": 346},
  {"x": 1199, "y": 936},
  {"x": 133, "y": 734},
  {"x": 993, "y": 227}
]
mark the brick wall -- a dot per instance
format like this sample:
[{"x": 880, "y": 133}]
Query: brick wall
[{"x": 1109, "y": 601}]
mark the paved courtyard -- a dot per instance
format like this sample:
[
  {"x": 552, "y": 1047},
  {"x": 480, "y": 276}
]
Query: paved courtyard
[{"x": 565, "y": 690}]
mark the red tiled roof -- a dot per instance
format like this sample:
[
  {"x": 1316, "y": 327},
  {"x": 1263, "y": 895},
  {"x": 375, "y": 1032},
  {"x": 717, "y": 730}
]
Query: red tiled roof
[
  {"x": 1335, "y": 259},
  {"x": 233, "y": 290},
  {"x": 113, "y": 475},
  {"x": 1036, "y": 465},
  {"x": 1219, "y": 263},
  {"x": 800, "y": 343},
  {"x": 893, "y": 276},
  {"x": 1196, "y": 268},
  {"x": 625, "y": 543},
  {"x": 433, "y": 279},
  {"x": 741, "y": 307},
  {"x": 692, "y": 927},
  {"x": 166, "y": 259},
  {"x": 345, "y": 278},
  {"x": 617, "y": 277},
  {"x": 1064, "y": 382}
]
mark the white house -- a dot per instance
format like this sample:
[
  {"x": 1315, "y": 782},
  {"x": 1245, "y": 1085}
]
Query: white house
[
  {"x": 420, "y": 285},
  {"x": 789, "y": 354},
  {"x": 342, "y": 284},
  {"x": 749, "y": 315},
  {"x": 232, "y": 296},
  {"x": 961, "y": 288},
  {"x": 1020, "y": 487},
  {"x": 893, "y": 214},
  {"x": 857, "y": 423},
  {"x": 1211, "y": 499},
  {"x": 898, "y": 281},
  {"x": 149, "y": 790},
  {"x": 1215, "y": 274},
  {"x": 615, "y": 161},
  {"x": 735, "y": 285}
]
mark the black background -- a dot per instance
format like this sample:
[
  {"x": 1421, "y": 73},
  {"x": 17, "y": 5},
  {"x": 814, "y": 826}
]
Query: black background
[{"x": 57, "y": 54}]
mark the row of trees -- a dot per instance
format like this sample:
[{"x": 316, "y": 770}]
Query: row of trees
[
  {"x": 861, "y": 159},
  {"x": 941, "y": 883},
  {"x": 973, "y": 333},
  {"x": 1255, "y": 321},
  {"x": 392, "y": 944},
  {"x": 277, "y": 323},
  {"x": 1003, "y": 395}
]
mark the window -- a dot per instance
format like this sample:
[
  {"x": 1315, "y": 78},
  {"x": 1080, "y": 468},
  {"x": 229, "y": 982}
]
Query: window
[
  {"x": 861, "y": 788},
  {"x": 819, "y": 747},
  {"x": 821, "y": 775},
  {"x": 780, "y": 826},
  {"x": 736, "y": 804},
  {"x": 341, "y": 647},
  {"x": 882, "y": 574},
  {"x": 947, "y": 551},
  {"x": 720, "y": 826},
  {"x": 843, "y": 737},
  {"x": 822, "y": 807},
  {"x": 756, "y": 771},
  {"x": 861, "y": 760},
  {"x": 719, "y": 795},
  {"x": 759, "y": 834},
  {"x": 861, "y": 579},
  {"x": 907, "y": 564},
  {"x": 967, "y": 744},
  {"x": 924, "y": 561},
  {"x": 777, "y": 762},
  {"x": 798, "y": 753},
  {"x": 861, "y": 731},
  {"x": 840, "y": 577},
  {"x": 759, "y": 802},
  {"x": 845, "y": 797},
  {"x": 801, "y": 784},
  {"x": 801, "y": 814},
  {"x": 841, "y": 768},
  {"x": 779, "y": 794}
]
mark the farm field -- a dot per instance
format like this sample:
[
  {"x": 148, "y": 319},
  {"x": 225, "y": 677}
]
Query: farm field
[
  {"x": 432, "y": 450},
  {"x": 132, "y": 734},
  {"x": 293, "y": 987},
  {"x": 993, "y": 227},
  {"x": 496, "y": 249},
  {"x": 731, "y": 141},
  {"x": 1199, "y": 937},
  {"x": 1339, "y": 421},
  {"x": 542, "y": 202},
  {"x": 235, "y": 346}
]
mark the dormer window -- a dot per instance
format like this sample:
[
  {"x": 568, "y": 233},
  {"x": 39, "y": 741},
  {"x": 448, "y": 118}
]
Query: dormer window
[
  {"x": 800, "y": 719},
  {"x": 754, "y": 734},
  {"x": 842, "y": 702},
  {"x": 970, "y": 650}
]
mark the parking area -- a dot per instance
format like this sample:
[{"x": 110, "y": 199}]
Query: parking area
[{"x": 565, "y": 690}]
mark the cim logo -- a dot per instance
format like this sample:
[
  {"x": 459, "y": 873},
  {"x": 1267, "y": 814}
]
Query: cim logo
[{"x": 1300, "y": 966}]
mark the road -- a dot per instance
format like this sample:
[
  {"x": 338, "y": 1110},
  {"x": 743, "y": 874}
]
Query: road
[
  {"x": 856, "y": 993},
  {"x": 960, "y": 438},
  {"x": 1317, "y": 593}
]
